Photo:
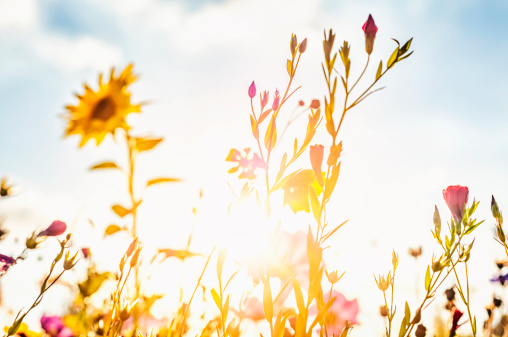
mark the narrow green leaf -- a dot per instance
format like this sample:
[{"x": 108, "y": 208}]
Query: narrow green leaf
[
  {"x": 145, "y": 144},
  {"x": 393, "y": 58},
  {"x": 112, "y": 229},
  {"x": 216, "y": 299},
  {"x": 379, "y": 70},
  {"x": 120, "y": 210},
  {"x": 105, "y": 165},
  {"x": 267, "y": 301},
  {"x": 162, "y": 180},
  {"x": 427, "y": 279}
]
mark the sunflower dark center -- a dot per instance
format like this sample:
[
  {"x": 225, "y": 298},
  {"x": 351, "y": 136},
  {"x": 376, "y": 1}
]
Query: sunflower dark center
[{"x": 104, "y": 109}]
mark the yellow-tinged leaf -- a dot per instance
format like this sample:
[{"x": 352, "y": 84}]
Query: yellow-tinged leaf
[
  {"x": 289, "y": 66},
  {"x": 393, "y": 58},
  {"x": 105, "y": 165},
  {"x": 300, "y": 303},
  {"x": 267, "y": 300},
  {"x": 112, "y": 229},
  {"x": 314, "y": 204},
  {"x": 255, "y": 129},
  {"x": 282, "y": 166},
  {"x": 162, "y": 180},
  {"x": 271, "y": 135},
  {"x": 220, "y": 262},
  {"x": 379, "y": 70},
  {"x": 427, "y": 279},
  {"x": 145, "y": 144},
  {"x": 330, "y": 183},
  {"x": 283, "y": 181},
  {"x": 120, "y": 210},
  {"x": 216, "y": 299}
]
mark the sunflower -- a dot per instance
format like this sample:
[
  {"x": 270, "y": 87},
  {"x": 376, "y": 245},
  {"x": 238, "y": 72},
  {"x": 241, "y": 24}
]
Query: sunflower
[{"x": 103, "y": 111}]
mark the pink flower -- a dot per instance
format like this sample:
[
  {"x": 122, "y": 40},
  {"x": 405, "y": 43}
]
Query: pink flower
[
  {"x": 55, "y": 229},
  {"x": 340, "y": 311},
  {"x": 252, "y": 309},
  {"x": 5, "y": 263},
  {"x": 264, "y": 100},
  {"x": 370, "y": 30},
  {"x": 252, "y": 90},
  {"x": 54, "y": 327},
  {"x": 456, "y": 199},
  {"x": 276, "y": 100},
  {"x": 290, "y": 258},
  {"x": 247, "y": 163}
]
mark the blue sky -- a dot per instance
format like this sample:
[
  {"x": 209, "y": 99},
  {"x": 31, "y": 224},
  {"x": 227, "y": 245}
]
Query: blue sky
[{"x": 440, "y": 121}]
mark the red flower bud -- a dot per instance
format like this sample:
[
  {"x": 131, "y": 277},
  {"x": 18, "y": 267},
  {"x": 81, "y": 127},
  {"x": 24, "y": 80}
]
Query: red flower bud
[
  {"x": 456, "y": 199},
  {"x": 252, "y": 90},
  {"x": 301, "y": 103},
  {"x": 370, "y": 30},
  {"x": 276, "y": 100}
]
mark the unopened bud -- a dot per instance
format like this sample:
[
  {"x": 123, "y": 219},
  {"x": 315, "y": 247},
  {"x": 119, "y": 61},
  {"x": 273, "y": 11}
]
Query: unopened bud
[
  {"x": 293, "y": 44},
  {"x": 417, "y": 318},
  {"x": 494, "y": 207},
  {"x": 332, "y": 277},
  {"x": 130, "y": 250},
  {"x": 135, "y": 257},
  {"x": 420, "y": 331},
  {"x": 382, "y": 311},
  {"x": 31, "y": 242},
  {"x": 303, "y": 46},
  {"x": 437, "y": 266},
  {"x": 69, "y": 262},
  {"x": 500, "y": 234},
  {"x": 437, "y": 222}
]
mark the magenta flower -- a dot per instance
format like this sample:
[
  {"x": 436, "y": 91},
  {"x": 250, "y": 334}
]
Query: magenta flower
[
  {"x": 276, "y": 100},
  {"x": 340, "y": 311},
  {"x": 5, "y": 263},
  {"x": 55, "y": 229},
  {"x": 54, "y": 327},
  {"x": 252, "y": 90},
  {"x": 456, "y": 199},
  {"x": 370, "y": 30}
]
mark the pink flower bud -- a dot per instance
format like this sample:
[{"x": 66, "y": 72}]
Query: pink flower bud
[
  {"x": 55, "y": 229},
  {"x": 264, "y": 100},
  {"x": 303, "y": 46},
  {"x": 456, "y": 199},
  {"x": 252, "y": 90},
  {"x": 85, "y": 252},
  {"x": 316, "y": 160},
  {"x": 276, "y": 100},
  {"x": 370, "y": 30}
]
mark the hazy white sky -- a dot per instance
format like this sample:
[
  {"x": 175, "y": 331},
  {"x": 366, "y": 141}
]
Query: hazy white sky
[{"x": 440, "y": 121}]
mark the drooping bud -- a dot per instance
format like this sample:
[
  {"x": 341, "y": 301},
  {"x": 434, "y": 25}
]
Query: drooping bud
[
  {"x": 303, "y": 46},
  {"x": 370, "y": 30},
  {"x": 252, "y": 90}
]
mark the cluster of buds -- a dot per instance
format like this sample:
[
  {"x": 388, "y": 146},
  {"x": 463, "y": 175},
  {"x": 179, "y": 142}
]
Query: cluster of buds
[{"x": 133, "y": 250}]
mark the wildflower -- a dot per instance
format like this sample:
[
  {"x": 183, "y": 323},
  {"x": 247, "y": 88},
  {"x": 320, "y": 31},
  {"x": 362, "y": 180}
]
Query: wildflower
[
  {"x": 340, "y": 311},
  {"x": 276, "y": 100},
  {"x": 252, "y": 90},
  {"x": 370, "y": 30},
  {"x": 501, "y": 279},
  {"x": 415, "y": 252},
  {"x": 54, "y": 327},
  {"x": 252, "y": 309},
  {"x": 264, "y": 100},
  {"x": 314, "y": 104},
  {"x": 457, "y": 314},
  {"x": 247, "y": 163},
  {"x": 103, "y": 111},
  {"x": 56, "y": 228},
  {"x": 456, "y": 199},
  {"x": 296, "y": 190},
  {"x": 5, "y": 263},
  {"x": 420, "y": 331},
  {"x": 5, "y": 190},
  {"x": 85, "y": 252}
]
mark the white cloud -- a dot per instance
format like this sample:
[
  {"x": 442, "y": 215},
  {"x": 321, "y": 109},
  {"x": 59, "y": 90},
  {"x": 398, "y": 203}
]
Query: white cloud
[
  {"x": 75, "y": 54},
  {"x": 17, "y": 14}
]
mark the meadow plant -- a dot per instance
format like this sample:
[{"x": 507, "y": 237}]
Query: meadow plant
[{"x": 296, "y": 259}]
